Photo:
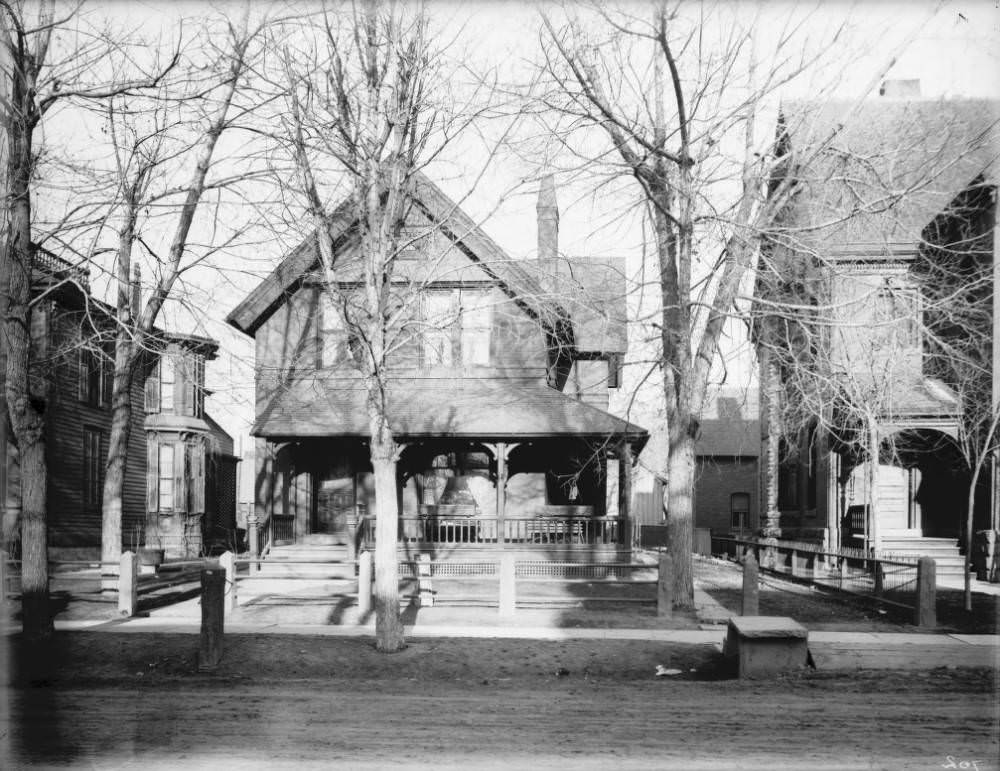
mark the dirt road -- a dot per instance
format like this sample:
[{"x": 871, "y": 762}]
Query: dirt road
[{"x": 554, "y": 723}]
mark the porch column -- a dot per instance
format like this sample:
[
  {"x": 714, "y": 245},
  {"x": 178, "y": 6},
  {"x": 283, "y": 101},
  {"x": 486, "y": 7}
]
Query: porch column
[
  {"x": 625, "y": 492},
  {"x": 268, "y": 481},
  {"x": 501, "y": 456}
]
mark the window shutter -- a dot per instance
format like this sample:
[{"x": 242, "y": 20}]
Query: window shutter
[
  {"x": 152, "y": 475},
  {"x": 179, "y": 380},
  {"x": 180, "y": 477},
  {"x": 197, "y": 478},
  {"x": 186, "y": 377},
  {"x": 153, "y": 389}
]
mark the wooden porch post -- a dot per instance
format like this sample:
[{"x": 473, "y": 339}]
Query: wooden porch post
[
  {"x": 625, "y": 491},
  {"x": 501, "y": 450}
]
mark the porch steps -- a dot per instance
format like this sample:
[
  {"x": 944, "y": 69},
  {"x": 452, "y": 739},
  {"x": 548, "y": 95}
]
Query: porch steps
[
  {"x": 949, "y": 560},
  {"x": 325, "y": 562}
]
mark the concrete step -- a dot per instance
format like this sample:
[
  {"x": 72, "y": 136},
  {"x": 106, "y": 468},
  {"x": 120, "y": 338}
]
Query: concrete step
[
  {"x": 310, "y": 569},
  {"x": 319, "y": 539},
  {"x": 274, "y": 585}
]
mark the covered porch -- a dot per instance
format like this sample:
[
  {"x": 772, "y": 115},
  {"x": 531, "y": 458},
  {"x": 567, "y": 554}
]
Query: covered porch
[
  {"x": 546, "y": 472},
  {"x": 546, "y": 492}
]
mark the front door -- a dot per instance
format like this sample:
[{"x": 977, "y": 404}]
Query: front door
[{"x": 334, "y": 505}]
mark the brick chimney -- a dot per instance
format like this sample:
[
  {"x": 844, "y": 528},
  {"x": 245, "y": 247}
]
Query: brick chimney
[{"x": 547, "y": 211}]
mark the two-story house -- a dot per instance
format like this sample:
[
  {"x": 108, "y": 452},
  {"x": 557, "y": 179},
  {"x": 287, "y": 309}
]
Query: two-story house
[
  {"x": 180, "y": 477},
  {"x": 498, "y": 391},
  {"x": 863, "y": 439}
]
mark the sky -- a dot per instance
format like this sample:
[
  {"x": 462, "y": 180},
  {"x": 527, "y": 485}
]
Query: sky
[{"x": 954, "y": 52}]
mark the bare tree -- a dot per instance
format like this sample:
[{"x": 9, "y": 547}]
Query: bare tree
[
  {"x": 46, "y": 63},
  {"x": 666, "y": 103},
  {"x": 142, "y": 160},
  {"x": 362, "y": 104}
]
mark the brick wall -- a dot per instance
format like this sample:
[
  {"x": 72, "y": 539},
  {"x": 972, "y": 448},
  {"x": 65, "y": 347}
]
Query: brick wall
[{"x": 717, "y": 479}]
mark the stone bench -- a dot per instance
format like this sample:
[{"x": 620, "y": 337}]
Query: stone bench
[{"x": 766, "y": 645}]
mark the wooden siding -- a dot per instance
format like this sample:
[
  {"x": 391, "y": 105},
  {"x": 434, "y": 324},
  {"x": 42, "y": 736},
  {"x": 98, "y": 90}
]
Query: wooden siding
[{"x": 70, "y": 523}]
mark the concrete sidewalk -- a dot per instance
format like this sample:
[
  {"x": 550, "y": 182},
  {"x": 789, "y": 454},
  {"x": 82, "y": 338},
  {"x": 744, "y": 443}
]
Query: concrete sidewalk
[{"x": 830, "y": 650}]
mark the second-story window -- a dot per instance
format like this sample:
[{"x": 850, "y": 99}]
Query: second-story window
[
  {"x": 96, "y": 375},
  {"x": 476, "y": 320},
  {"x": 167, "y": 377},
  {"x": 456, "y": 328},
  {"x": 439, "y": 322}
]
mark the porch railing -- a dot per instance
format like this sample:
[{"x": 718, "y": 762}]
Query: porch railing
[
  {"x": 886, "y": 577},
  {"x": 570, "y": 531}
]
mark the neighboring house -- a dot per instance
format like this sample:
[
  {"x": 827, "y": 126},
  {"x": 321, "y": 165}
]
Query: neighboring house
[
  {"x": 865, "y": 251},
  {"x": 498, "y": 393},
  {"x": 726, "y": 452},
  {"x": 180, "y": 472}
]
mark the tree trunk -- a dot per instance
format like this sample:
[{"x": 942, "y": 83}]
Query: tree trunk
[
  {"x": 114, "y": 474},
  {"x": 680, "y": 514},
  {"x": 388, "y": 622},
  {"x": 35, "y": 616}
]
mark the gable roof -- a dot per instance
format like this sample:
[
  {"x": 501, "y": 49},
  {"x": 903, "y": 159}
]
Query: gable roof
[
  {"x": 433, "y": 407},
  {"x": 889, "y": 170},
  {"x": 520, "y": 284}
]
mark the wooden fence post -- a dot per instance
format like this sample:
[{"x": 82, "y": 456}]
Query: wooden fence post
[
  {"x": 508, "y": 585},
  {"x": 751, "y": 601},
  {"x": 665, "y": 586},
  {"x": 213, "y": 588},
  {"x": 879, "y": 578},
  {"x": 128, "y": 585},
  {"x": 926, "y": 610},
  {"x": 3, "y": 575},
  {"x": 365, "y": 583},
  {"x": 228, "y": 563},
  {"x": 425, "y": 587},
  {"x": 253, "y": 539}
]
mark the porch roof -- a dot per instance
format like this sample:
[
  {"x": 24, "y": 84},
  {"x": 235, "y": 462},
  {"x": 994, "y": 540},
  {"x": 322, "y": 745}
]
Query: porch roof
[{"x": 481, "y": 408}]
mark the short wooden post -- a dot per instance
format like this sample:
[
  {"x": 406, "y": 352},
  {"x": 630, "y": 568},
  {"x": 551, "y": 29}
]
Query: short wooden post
[
  {"x": 751, "y": 591},
  {"x": 228, "y": 563},
  {"x": 818, "y": 566},
  {"x": 365, "y": 583},
  {"x": 879, "y": 577},
  {"x": 425, "y": 589},
  {"x": 253, "y": 540},
  {"x": 665, "y": 586},
  {"x": 128, "y": 585},
  {"x": 508, "y": 585},
  {"x": 926, "y": 610},
  {"x": 795, "y": 563},
  {"x": 213, "y": 589},
  {"x": 3, "y": 575}
]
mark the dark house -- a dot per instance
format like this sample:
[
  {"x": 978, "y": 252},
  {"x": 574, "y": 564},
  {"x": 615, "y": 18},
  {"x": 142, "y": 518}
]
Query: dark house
[
  {"x": 180, "y": 472},
  {"x": 498, "y": 393},
  {"x": 886, "y": 248},
  {"x": 726, "y": 486}
]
